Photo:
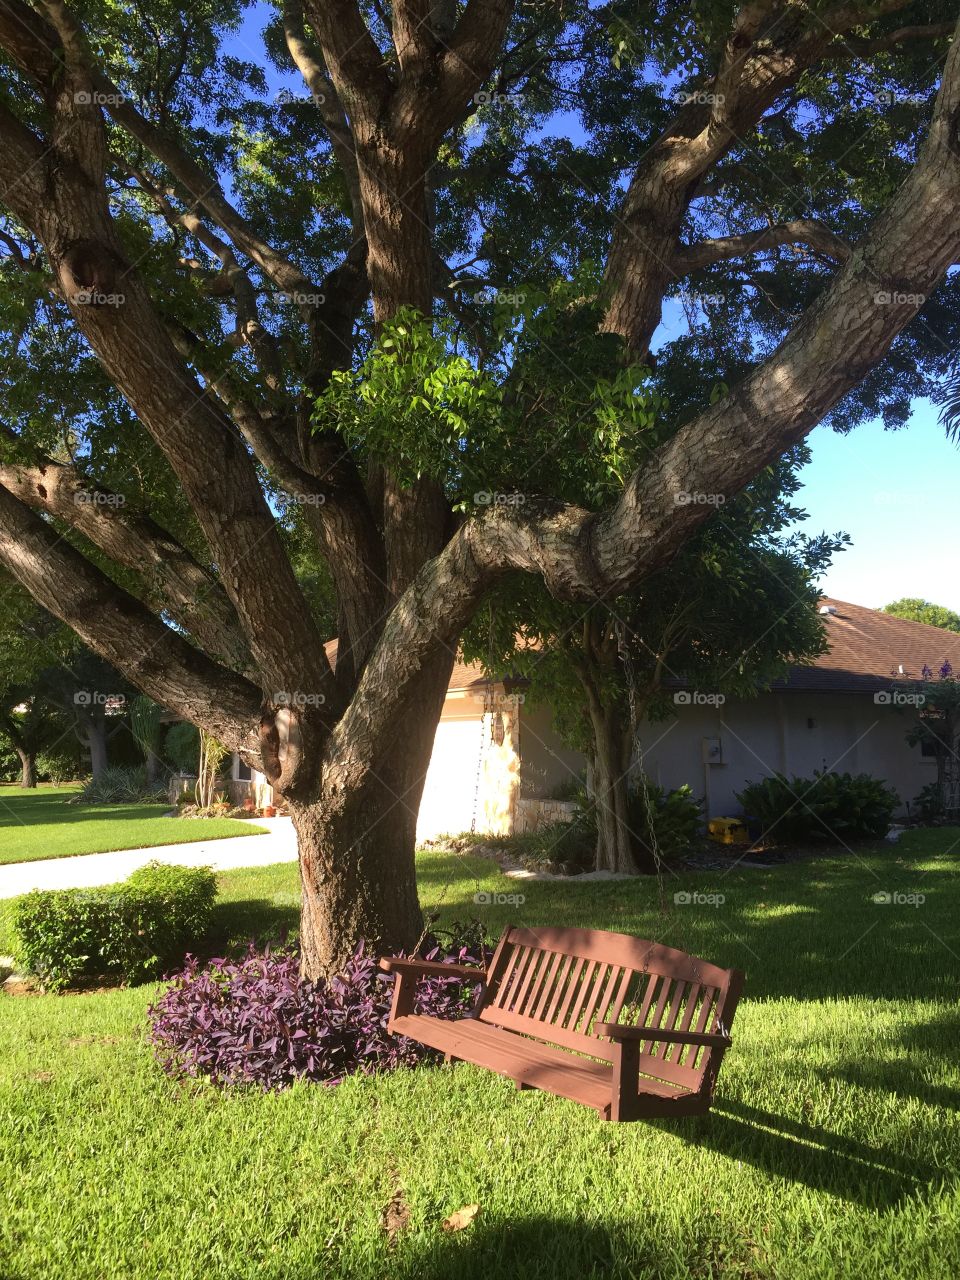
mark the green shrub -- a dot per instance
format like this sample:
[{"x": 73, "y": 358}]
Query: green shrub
[
  {"x": 58, "y": 766},
  {"x": 181, "y": 747},
  {"x": 134, "y": 931},
  {"x": 927, "y": 804},
  {"x": 828, "y": 805},
  {"x": 120, "y": 784},
  {"x": 571, "y": 844},
  {"x": 671, "y": 822}
]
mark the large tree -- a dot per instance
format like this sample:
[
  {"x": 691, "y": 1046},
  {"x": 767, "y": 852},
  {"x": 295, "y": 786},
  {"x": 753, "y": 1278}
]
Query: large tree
[{"x": 193, "y": 268}]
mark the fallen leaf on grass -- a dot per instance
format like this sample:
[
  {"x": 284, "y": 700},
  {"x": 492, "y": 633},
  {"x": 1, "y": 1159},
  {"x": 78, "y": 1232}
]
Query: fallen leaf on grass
[{"x": 462, "y": 1219}]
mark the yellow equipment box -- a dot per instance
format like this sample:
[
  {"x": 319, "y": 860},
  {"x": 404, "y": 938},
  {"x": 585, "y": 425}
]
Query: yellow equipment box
[{"x": 728, "y": 831}]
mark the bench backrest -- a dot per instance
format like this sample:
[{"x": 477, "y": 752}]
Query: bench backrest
[{"x": 555, "y": 984}]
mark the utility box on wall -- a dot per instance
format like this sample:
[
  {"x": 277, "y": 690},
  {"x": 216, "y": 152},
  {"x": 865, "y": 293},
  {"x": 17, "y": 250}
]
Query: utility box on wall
[{"x": 711, "y": 750}]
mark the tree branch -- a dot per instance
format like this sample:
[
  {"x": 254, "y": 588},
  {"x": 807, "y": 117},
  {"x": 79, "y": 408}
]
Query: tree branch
[
  {"x": 327, "y": 100},
  {"x": 806, "y": 231},
  {"x": 646, "y": 236},
  {"x": 855, "y": 47},
  {"x": 201, "y": 444},
  {"x": 118, "y": 627},
  {"x": 173, "y": 580}
]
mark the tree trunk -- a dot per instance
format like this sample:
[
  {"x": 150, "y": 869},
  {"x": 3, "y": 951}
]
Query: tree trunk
[
  {"x": 357, "y": 842},
  {"x": 153, "y": 767},
  {"x": 95, "y": 739},
  {"x": 28, "y": 767},
  {"x": 619, "y": 848}
]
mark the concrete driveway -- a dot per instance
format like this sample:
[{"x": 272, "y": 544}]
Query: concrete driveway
[{"x": 90, "y": 869}]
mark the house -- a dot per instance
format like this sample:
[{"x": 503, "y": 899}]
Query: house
[
  {"x": 497, "y": 760},
  {"x": 845, "y": 711}
]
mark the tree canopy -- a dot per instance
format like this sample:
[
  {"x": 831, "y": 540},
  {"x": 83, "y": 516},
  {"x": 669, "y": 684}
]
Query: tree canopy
[{"x": 917, "y": 610}]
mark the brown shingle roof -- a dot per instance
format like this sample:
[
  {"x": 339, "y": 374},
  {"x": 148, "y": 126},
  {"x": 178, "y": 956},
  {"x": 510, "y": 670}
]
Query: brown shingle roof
[
  {"x": 867, "y": 650},
  {"x": 465, "y": 675}
]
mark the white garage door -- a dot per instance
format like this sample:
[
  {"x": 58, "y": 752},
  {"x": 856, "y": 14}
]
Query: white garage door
[{"x": 447, "y": 805}]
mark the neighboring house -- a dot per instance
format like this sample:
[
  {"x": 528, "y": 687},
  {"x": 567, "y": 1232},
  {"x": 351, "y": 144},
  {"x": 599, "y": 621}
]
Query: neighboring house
[
  {"x": 837, "y": 713},
  {"x": 842, "y": 712}
]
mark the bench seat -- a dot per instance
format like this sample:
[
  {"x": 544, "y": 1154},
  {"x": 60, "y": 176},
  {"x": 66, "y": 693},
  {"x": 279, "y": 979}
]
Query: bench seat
[
  {"x": 540, "y": 1066},
  {"x": 629, "y": 1028}
]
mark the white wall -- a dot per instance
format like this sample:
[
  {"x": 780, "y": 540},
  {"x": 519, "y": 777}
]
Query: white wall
[{"x": 790, "y": 733}]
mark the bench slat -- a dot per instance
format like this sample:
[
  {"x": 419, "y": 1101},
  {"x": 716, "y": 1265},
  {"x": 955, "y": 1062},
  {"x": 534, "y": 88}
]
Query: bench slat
[
  {"x": 560, "y": 988},
  {"x": 573, "y": 986},
  {"x": 552, "y": 1034},
  {"x": 550, "y": 972},
  {"x": 586, "y": 986},
  {"x": 535, "y": 963}
]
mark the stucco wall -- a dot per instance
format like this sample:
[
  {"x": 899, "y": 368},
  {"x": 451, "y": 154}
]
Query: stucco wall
[
  {"x": 544, "y": 761},
  {"x": 790, "y": 733}
]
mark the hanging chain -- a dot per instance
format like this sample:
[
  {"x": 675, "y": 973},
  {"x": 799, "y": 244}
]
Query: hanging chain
[{"x": 636, "y": 750}]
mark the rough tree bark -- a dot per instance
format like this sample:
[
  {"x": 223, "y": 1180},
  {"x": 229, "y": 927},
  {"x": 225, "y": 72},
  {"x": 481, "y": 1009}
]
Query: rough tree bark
[{"x": 408, "y": 579}]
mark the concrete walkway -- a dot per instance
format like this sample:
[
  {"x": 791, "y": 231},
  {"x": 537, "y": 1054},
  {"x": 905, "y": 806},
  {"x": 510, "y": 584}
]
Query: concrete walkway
[{"x": 90, "y": 869}]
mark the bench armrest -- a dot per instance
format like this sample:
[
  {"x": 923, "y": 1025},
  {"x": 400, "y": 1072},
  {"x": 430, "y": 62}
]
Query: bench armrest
[
  {"x": 434, "y": 968},
  {"x": 615, "y": 1031}
]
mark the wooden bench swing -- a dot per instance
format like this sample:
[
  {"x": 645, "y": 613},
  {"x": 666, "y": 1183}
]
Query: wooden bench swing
[{"x": 631, "y": 1028}]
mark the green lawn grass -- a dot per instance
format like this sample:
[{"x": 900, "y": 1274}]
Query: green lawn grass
[
  {"x": 38, "y": 824},
  {"x": 833, "y": 1149}
]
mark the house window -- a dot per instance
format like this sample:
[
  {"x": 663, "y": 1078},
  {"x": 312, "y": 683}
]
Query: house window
[{"x": 244, "y": 772}]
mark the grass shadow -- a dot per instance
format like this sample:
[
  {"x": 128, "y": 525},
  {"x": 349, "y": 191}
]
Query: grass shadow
[
  {"x": 931, "y": 1046},
  {"x": 808, "y": 1154}
]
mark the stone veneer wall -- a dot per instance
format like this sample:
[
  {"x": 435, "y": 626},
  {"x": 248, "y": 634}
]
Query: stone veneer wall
[{"x": 534, "y": 815}]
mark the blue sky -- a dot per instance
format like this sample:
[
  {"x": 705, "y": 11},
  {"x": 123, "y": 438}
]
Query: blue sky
[{"x": 897, "y": 494}]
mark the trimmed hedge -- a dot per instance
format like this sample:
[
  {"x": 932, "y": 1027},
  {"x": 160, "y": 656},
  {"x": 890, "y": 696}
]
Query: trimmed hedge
[
  {"x": 830, "y": 805},
  {"x": 134, "y": 931}
]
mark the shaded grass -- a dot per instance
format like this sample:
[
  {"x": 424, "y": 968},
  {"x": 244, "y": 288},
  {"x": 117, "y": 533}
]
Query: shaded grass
[
  {"x": 38, "y": 824},
  {"x": 833, "y": 1149}
]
